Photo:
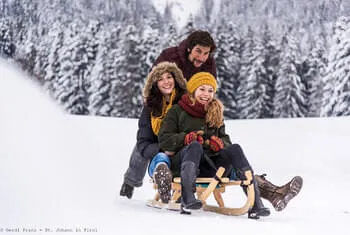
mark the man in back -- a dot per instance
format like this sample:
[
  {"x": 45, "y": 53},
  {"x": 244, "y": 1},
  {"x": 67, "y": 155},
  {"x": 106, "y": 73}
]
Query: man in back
[{"x": 193, "y": 55}]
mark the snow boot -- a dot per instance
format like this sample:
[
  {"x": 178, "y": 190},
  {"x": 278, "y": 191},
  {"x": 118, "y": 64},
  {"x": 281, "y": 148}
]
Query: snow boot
[
  {"x": 258, "y": 208},
  {"x": 126, "y": 190},
  {"x": 188, "y": 188},
  {"x": 162, "y": 177},
  {"x": 279, "y": 196}
]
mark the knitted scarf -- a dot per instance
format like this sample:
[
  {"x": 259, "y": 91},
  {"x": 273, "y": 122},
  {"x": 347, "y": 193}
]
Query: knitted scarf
[
  {"x": 194, "y": 109},
  {"x": 157, "y": 121}
]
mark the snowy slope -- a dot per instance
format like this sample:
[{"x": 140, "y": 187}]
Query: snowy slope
[{"x": 64, "y": 172}]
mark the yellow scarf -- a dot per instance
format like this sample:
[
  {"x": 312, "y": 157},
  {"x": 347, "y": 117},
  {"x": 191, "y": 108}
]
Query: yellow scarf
[{"x": 157, "y": 121}]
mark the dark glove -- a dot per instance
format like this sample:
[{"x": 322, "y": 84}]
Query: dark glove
[
  {"x": 194, "y": 136},
  {"x": 215, "y": 143}
]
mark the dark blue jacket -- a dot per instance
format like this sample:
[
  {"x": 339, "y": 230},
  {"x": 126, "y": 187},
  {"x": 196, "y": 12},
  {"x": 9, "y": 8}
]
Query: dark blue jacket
[{"x": 147, "y": 141}]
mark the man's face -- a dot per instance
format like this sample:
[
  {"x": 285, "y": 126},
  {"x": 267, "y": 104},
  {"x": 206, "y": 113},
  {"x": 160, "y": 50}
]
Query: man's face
[{"x": 199, "y": 55}]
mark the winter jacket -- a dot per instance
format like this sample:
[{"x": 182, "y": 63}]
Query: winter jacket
[
  {"x": 179, "y": 55},
  {"x": 176, "y": 125},
  {"x": 147, "y": 141}
]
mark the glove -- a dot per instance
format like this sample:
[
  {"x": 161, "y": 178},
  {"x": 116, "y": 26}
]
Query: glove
[
  {"x": 194, "y": 136},
  {"x": 215, "y": 144}
]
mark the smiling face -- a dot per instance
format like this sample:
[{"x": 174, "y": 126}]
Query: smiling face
[
  {"x": 204, "y": 94},
  {"x": 166, "y": 84},
  {"x": 198, "y": 55}
]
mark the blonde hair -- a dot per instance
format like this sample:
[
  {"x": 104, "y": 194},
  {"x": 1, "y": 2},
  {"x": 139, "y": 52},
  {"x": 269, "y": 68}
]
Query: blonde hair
[{"x": 215, "y": 113}]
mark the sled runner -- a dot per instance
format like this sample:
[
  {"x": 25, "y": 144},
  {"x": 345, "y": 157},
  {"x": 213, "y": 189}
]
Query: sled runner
[{"x": 204, "y": 188}]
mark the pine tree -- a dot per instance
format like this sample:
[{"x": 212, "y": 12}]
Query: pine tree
[
  {"x": 315, "y": 65},
  {"x": 7, "y": 45},
  {"x": 51, "y": 63},
  {"x": 127, "y": 92},
  {"x": 228, "y": 65},
  {"x": 104, "y": 73},
  {"x": 271, "y": 61},
  {"x": 290, "y": 97},
  {"x": 169, "y": 38},
  {"x": 253, "y": 77},
  {"x": 336, "y": 92},
  {"x": 69, "y": 87},
  {"x": 188, "y": 29},
  {"x": 206, "y": 18},
  {"x": 4, "y": 8}
]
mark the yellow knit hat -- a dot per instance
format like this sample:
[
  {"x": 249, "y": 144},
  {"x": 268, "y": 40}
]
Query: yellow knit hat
[{"x": 201, "y": 78}]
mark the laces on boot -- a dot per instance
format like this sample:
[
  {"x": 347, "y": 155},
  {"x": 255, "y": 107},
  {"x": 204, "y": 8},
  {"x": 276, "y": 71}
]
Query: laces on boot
[{"x": 263, "y": 176}]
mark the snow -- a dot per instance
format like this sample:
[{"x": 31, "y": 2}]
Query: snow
[
  {"x": 63, "y": 173},
  {"x": 181, "y": 9}
]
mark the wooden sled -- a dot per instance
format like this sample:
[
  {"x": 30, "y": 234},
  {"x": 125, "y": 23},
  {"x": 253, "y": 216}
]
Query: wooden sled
[{"x": 207, "y": 186}]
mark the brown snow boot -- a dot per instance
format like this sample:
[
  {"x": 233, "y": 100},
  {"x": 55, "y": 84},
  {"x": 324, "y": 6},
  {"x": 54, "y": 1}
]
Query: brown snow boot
[{"x": 279, "y": 196}]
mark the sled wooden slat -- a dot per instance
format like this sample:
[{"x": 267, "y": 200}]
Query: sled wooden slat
[{"x": 202, "y": 180}]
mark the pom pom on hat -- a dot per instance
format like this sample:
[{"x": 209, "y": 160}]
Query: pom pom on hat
[{"x": 201, "y": 78}]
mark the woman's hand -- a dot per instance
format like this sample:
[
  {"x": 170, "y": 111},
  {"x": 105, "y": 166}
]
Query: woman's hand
[
  {"x": 194, "y": 136},
  {"x": 215, "y": 143}
]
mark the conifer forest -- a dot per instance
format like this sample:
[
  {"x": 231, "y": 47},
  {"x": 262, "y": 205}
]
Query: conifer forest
[{"x": 275, "y": 58}]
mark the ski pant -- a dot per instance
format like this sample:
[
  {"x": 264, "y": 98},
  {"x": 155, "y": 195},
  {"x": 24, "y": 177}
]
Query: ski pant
[
  {"x": 231, "y": 158},
  {"x": 136, "y": 171}
]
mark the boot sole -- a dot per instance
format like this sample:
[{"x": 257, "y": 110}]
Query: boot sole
[
  {"x": 294, "y": 188},
  {"x": 163, "y": 178}
]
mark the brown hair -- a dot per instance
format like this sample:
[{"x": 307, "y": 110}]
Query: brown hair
[
  {"x": 201, "y": 38},
  {"x": 152, "y": 95}
]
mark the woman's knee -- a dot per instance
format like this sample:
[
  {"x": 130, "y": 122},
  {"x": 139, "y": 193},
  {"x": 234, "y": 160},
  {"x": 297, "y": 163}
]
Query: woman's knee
[
  {"x": 195, "y": 146},
  {"x": 235, "y": 153},
  {"x": 234, "y": 149},
  {"x": 193, "y": 152}
]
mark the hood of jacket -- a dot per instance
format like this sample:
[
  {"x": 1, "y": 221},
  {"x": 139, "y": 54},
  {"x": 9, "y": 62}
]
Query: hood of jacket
[{"x": 158, "y": 70}]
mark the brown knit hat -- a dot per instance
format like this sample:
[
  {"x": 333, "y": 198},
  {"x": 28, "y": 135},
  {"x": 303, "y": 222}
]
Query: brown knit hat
[
  {"x": 199, "y": 79},
  {"x": 158, "y": 71}
]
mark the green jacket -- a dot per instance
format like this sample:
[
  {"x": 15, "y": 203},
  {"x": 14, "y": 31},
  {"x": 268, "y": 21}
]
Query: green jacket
[{"x": 174, "y": 128}]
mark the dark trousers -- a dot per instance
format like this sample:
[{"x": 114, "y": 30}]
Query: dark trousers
[
  {"x": 136, "y": 171},
  {"x": 231, "y": 158}
]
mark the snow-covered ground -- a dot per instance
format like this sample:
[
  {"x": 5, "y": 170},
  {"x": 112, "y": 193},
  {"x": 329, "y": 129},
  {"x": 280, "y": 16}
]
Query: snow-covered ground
[{"x": 61, "y": 173}]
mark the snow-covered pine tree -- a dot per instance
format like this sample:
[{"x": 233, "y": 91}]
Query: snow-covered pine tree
[
  {"x": 104, "y": 72},
  {"x": 127, "y": 91},
  {"x": 169, "y": 37},
  {"x": 228, "y": 63},
  {"x": 84, "y": 50},
  {"x": 51, "y": 63},
  {"x": 253, "y": 80},
  {"x": 336, "y": 92},
  {"x": 189, "y": 28},
  {"x": 4, "y": 8},
  {"x": 290, "y": 96},
  {"x": 315, "y": 65},
  {"x": 7, "y": 44},
  {"x": 149, "y": 49},
  {"x": 205, "y": 19},
  {"x": 271, "y": 61},
  {"x": 27, "y": 38},
  {"x": 69, "y": 87}
]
